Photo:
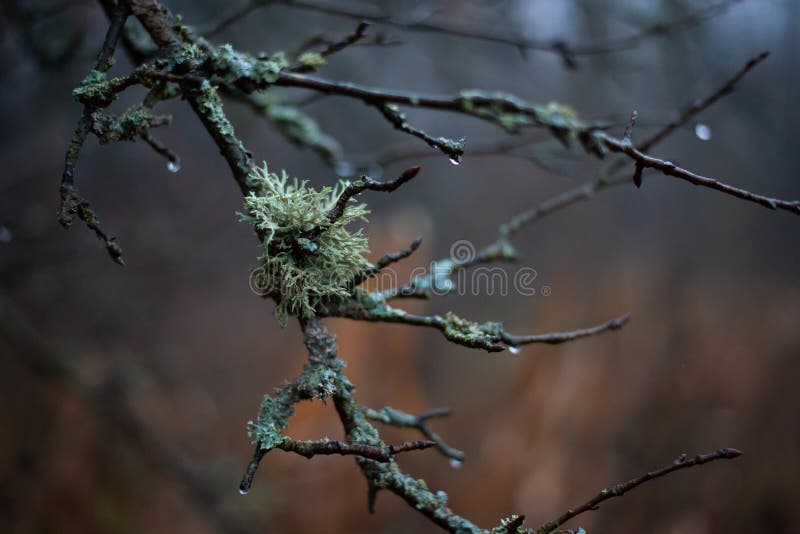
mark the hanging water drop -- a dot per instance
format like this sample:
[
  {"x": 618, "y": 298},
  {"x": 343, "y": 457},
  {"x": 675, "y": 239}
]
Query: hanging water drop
[
  {"x": 243, "y": 491},
  {"x": 173, "y": 166},
  {"x": 702, "y": 131},
  {"x": 514, "y": 350},
  {"x": 455, "y": 160},
  {"x": 455, "y": 464}
]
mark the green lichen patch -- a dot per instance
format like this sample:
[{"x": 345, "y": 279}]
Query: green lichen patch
[
  {"x": 245, "y": 71},
  {"x": 312, "y": 60},
  {"x": 307, "y": 259},
  {"x": 471, "y": 334},
  {"x": 512, "y": 113},
  {"x": 96, "y": 89}
]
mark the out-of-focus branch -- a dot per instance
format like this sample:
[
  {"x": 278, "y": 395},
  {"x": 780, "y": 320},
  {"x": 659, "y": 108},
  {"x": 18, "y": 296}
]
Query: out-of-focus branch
[
  {"x": 701, "y": 104},
  {"x": 619, "y": 490},
  {"x": 338, "y": 46},
  {"x": 568, "y": 52}
]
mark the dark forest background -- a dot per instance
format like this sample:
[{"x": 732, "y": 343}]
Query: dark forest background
[{"x": 711, "y": 358}]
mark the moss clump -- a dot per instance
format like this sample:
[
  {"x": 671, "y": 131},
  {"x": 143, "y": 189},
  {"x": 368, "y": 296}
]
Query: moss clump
[{"x": 307, "y": 259}]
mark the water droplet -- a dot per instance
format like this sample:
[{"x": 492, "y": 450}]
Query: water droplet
[
  {"x": 702, "y": 131},
  {"x": 243, "y": 491},
  {"x": 173, "y": 165},
  {"x": 514, "y": 350},
  {"x": 456, "y": 464},
  {"x": 455, "y": 160}
]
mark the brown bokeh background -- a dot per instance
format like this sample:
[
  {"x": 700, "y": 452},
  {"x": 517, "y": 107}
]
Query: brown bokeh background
[{"x": 709, "y": 360}]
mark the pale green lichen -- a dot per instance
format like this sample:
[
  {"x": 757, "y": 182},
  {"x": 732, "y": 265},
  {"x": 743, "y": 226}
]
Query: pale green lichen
[
  {"x": 307, "y": 259},
  {"x": 267, "y": 432},
  {"x": 312, "y": 60},
  {"x": 127, "y": 127},
  {"x": 469, "y": 333},
  {"x": 512, "y": 113},
  {"x": 96, "y": 89},
  {"x": 237, "y": 68}
]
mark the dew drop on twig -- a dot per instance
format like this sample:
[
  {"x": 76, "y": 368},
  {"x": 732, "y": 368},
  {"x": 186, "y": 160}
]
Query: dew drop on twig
[
  {"x": 514, "y": 350},
  {"x": 702, "y": 131},
  {"x": 454, "y": 160},
  {"x": 173, "y": 166},
  {"x": 243, "y": 491},
  {"x": 455, "y": 464}
]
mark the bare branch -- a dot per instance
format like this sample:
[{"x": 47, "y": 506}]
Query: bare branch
[
  {"x": 340, "y": 45},
  {"x": 701, "y": 104},
  {"x": 453, "y": 149},
  {"x": 670, "y": 169},
  {"x": 621, "y": 489},
  {"x": 555, "y": 338},
  {"x": 366, "y": 183},
  {"x": 568, "y": 52}
]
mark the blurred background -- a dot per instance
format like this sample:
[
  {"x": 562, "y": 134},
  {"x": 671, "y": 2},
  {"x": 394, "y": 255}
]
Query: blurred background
[{"x": 127, "y": 390}]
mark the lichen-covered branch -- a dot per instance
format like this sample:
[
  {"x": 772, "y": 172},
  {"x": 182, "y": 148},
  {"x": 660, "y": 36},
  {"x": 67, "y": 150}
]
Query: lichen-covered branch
[
  {"x": 489, "y": 336},
  {"x": 390, "y": 416},
  {"x": 312, "y": 261}
]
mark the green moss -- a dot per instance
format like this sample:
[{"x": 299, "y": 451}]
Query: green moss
[{"x": 306, "y": 259}]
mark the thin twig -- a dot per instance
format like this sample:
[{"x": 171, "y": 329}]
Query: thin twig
[
  {"x": 621, "y": 489},
  {"x": 555, "y": 338},
  {"x": 366, "y": 183}
]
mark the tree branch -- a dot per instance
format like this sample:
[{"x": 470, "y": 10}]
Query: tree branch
[
  {"x": 365, "y": 183},
  {"x": 621, "y": 489},
  {"x": 389, "y": 416}
]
